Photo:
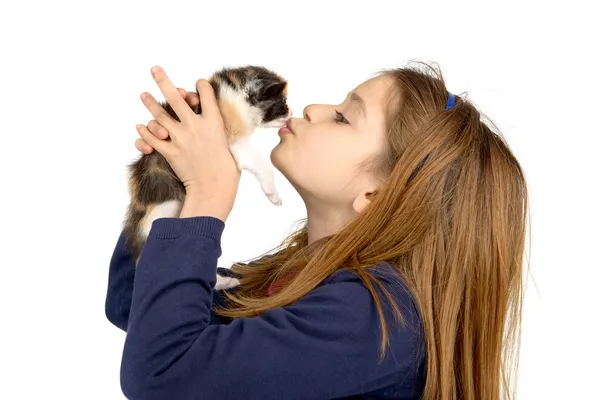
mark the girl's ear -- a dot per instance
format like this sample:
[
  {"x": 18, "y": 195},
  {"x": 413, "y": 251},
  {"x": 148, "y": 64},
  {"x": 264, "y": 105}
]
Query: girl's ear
[
  {"x": 372, "y": 194},
  {"x": 363, "y": 200}
]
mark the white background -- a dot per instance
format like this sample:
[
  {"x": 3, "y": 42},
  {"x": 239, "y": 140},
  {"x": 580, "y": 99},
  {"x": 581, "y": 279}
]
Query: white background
[{"x": 71, "y": 76}]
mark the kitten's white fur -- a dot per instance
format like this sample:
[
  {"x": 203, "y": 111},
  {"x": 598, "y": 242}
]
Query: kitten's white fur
[
  {"x": 250, "y": 159},
  {"x": 168, "y": 209},
  {"x": 245, "y": 154}
]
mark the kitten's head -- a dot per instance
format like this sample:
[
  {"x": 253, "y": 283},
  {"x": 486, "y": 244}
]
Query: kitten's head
[{"x": 258, "y": 94}]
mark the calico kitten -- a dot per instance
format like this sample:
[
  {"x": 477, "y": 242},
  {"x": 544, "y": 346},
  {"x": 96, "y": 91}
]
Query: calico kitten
[{"x": 249, "y": 97}]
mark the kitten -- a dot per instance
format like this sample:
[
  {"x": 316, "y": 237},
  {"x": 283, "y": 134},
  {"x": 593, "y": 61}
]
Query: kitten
[{"x": 249, "y": 97}]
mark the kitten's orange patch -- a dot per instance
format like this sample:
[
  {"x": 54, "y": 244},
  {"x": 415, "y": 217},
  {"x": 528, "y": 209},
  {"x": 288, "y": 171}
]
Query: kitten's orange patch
[{"x": 233, "y": 122}]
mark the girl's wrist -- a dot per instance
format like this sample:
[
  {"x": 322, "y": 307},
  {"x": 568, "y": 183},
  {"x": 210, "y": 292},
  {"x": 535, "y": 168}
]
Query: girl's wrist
[{"x": 194, "y": 206}]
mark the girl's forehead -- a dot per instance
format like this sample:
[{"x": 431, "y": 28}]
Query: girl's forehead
[
  {"x": 375, "y": 90},
  {"x": 375, "y": 93}
]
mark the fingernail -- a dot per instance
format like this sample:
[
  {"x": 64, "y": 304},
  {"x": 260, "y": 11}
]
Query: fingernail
[{"x": 155, "y": 70}]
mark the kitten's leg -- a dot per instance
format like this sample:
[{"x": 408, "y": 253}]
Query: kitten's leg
[
  {"x": 225, "y": 280},
  {"x": 250, "y": 159}
]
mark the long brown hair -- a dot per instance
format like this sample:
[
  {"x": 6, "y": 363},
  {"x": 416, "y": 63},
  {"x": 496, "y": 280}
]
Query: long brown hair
[{"x": 450, "y": 216}]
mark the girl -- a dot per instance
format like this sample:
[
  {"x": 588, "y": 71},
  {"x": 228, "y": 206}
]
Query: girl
[{"x": 404, "y": 283}]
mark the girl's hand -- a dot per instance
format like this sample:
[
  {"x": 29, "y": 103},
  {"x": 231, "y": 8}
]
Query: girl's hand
[
  {"x": 159, "y": 131},
  {"x": 197, "y": 147}
]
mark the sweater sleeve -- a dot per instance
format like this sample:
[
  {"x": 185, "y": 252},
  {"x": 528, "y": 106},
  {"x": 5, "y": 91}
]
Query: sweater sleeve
[
  {"x": 325, "y": 345},
  {"x": 121, "y": 274}
]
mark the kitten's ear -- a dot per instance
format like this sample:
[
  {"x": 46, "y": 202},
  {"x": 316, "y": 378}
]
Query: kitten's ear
[{"x": 275, "y": 90}]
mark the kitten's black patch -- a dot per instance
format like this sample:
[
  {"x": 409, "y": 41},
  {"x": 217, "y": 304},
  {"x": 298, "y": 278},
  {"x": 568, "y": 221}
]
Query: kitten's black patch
[
  {"x": 267, "y": 92},
  {"x": 265, "y": 89},
  {"x": 273, "y": 101}
]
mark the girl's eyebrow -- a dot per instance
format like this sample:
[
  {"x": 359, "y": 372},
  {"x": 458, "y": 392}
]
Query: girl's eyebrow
[{"x": 362, "y": 109}]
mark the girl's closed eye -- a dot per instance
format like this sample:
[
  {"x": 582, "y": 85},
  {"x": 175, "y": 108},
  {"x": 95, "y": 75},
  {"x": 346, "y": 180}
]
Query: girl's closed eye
[{"x": 340, "y": 118}]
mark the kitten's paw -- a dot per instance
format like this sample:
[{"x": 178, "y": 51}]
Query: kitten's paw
[
  {"x": 274, "y": 198},
  {"x": 224, "y": 282}
]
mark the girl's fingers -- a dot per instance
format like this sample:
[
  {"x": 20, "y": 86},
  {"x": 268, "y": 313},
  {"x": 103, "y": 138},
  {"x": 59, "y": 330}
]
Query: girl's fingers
[
  {"x": 158, "y": 112},
  {"x": 192, "y": 99},
  {"x": 143, "y": 147},
  {"x": 157, "y": 129},
  {"x": 172, "y": 96},
  {"x": 150, "y": 139},
  {"x": 207, "y": 99}
]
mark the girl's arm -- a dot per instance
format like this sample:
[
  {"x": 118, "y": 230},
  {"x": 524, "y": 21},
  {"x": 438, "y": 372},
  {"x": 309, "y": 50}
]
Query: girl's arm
[
  {"x": 121, "y": 275},
  {"x": 324, "y": 345}
]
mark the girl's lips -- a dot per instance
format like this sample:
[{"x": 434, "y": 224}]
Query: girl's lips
[{"x": 284, "y": 130}]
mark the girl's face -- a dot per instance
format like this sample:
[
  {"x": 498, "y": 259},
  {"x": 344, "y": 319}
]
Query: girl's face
[{"x": 321, "y": 155}]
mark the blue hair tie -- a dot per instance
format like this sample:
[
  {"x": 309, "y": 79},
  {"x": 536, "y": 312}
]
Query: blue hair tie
[{"x": 450, "y": 103}]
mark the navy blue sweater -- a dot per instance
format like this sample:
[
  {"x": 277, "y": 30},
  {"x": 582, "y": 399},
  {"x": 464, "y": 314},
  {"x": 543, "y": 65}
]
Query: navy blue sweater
[{"x": 323, "y": 346}]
